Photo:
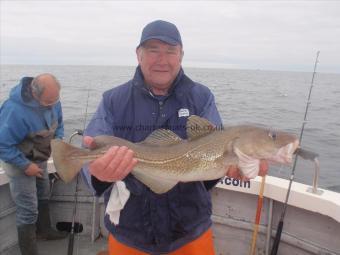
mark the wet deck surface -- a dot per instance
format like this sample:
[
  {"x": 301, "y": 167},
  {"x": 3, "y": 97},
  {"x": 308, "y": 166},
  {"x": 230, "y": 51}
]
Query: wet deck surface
[{"x": 82, "y": 246}]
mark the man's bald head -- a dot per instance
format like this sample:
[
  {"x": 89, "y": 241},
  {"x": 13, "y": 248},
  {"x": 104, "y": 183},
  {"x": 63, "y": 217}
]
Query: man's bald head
[{"x": 46, "y": 89}]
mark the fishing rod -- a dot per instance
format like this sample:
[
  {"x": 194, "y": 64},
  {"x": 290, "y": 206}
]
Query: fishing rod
[
  {"x": 72, "y": 231},
  {"x": 258, "y": 216},
  {"x": 280, "y": 225},
  {"x": 71, "y": 238}
]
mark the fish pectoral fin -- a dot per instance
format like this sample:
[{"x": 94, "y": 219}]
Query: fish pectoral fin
[
  {"x": 198, "y": 127},
  {"x": 161, "y": 137},
  {"x": 249, "y": 166},
  {"x": 230, "y": 158},
  {"x": 156, "y": 184}
]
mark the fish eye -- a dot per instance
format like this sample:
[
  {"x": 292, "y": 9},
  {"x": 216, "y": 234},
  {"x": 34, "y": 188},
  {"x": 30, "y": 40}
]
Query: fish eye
[{"x": 272, "y": 135}]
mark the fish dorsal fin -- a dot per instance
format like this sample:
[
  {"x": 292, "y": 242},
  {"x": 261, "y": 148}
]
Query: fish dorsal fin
[
  {"x": 198, "y": 127},
  {"x": 162, "y": 137}
]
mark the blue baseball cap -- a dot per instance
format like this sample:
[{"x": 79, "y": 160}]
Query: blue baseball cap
[{"x": 161, "y": 30}]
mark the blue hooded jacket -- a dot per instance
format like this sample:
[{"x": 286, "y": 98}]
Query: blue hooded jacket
[
  {"x": 155, "y": 223},
  {"x": 26, "y": 127}
]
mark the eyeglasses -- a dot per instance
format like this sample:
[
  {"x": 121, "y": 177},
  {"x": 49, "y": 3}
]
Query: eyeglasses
[{"x": 48, "y": 103}]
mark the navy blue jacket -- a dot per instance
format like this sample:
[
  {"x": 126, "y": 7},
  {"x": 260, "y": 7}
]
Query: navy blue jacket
[{"x": 156, "y": 223}]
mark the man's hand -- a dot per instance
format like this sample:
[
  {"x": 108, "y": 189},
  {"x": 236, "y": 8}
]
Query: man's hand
[
  {"x": 89, "y": 142},
  {"x": 114, "y": 165},
  {"x": 236, "y": 173},
  {"x": 34, "y": 170}
]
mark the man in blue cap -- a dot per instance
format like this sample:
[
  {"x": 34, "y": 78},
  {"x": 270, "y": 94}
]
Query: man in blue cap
[{"x": 159, "y": 95}]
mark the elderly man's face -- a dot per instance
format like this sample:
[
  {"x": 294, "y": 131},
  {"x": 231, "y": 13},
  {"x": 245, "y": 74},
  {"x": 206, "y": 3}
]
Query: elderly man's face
[
  {"x": 49, "y": 97},
  {"x": 160, "y": 64},
  {"x": 51, "y": 91}
]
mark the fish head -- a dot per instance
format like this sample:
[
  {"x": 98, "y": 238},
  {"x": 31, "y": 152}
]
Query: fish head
[{"x": 264, "y": 143}]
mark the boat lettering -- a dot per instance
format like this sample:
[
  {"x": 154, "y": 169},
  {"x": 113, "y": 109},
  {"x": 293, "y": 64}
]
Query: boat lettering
[{"x": 235, "y": 182}]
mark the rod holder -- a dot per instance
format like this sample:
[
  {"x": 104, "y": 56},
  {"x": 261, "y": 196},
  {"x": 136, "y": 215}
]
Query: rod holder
[
  {"x": 312, "y": 156},
  {"x": 314, "y": 189},
  {"x": 77, "y": 132}
]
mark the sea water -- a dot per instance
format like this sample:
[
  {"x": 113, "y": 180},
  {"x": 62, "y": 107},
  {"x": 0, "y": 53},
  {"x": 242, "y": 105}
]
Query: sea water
[{"x": 272, "y": 98}]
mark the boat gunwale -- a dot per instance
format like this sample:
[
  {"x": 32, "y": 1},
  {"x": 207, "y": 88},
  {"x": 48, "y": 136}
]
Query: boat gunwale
[{"x": 326, "y": 203}]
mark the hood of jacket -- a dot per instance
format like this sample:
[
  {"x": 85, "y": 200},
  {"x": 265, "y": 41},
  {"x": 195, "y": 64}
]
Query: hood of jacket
[{"x": 22, "y": 94}]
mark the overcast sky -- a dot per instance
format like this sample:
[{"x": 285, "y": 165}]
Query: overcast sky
[{"x": 280, "y": 35}]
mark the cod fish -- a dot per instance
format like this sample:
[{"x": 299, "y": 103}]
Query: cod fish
[{"x": 164, "y": 159}]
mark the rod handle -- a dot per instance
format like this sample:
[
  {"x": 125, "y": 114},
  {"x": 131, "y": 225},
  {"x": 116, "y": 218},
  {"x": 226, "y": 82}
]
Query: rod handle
[
  {"x": 277, "y": 239},
  {"x": 70, "y": 244}
]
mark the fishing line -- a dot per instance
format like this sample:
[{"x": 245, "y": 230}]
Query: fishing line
[
  {"x": 87, "y": 106},
  {"x": 280, "y": 225},
  {"x": 71, "y": 238}
]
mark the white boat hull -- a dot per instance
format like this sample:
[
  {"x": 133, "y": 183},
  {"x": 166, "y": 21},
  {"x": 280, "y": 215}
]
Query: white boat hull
[{"x": 311, "y": 225}]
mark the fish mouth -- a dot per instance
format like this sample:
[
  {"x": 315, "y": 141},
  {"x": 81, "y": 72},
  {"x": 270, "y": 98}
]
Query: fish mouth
[{"x": 285, "y": 154}]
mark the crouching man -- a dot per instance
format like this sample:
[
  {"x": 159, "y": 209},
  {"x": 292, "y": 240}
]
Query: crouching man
[{"x": 29, "y": 119}]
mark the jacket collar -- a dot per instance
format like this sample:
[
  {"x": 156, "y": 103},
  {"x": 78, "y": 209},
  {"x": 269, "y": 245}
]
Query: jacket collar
[{"x": 138, "y": 81}]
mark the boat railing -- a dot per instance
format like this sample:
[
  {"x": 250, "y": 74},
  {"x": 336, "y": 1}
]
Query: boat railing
[
  {"x": 314, "y": 189},
  {"x": 312, "y": 156}
]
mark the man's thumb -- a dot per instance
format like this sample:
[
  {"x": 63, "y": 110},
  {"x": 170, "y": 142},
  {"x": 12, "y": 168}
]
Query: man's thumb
[{"x": 89, "y": 142}]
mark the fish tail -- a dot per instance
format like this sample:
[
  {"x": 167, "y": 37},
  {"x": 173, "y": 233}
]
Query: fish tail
[{"x": 66, "y": 166}]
